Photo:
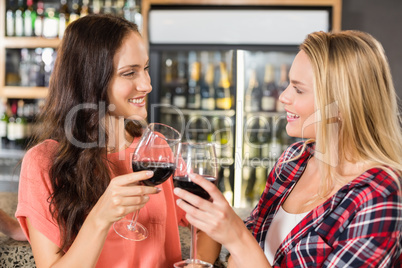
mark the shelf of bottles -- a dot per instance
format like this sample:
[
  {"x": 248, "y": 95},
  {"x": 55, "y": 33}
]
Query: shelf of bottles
[
  {"x": 201, "y": 95},
  {"x": 197, "y": 97},
  {"x": 264, "y": 118},
  {"x": 33, "y": 30}
]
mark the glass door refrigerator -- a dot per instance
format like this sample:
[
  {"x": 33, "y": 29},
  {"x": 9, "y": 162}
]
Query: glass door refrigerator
[{"x": 217, "y": 72}]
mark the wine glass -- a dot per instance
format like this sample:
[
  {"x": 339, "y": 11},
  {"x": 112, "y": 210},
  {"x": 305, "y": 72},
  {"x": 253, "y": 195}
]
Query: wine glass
[
  {"x": 195, "y": 158},
  {"x": 155, "y": 151}
]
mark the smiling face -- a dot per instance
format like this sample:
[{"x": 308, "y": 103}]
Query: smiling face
[
  {"x": 131, "y": 82},
  {"x": 298, "y": 99}
]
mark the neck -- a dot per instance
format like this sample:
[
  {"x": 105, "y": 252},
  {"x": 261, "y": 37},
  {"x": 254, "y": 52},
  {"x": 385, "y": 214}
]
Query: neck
[{"x": 118, "y": 138}]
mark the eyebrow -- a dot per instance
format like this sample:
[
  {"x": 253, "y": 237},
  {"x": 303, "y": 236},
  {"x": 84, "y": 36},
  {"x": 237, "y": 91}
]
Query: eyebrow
[
  {"x": 296, "y": 82},
  {"x": 133, "y": 65}
]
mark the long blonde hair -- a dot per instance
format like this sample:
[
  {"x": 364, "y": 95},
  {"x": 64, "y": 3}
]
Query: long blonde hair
[{"x": 356, "y": 103}]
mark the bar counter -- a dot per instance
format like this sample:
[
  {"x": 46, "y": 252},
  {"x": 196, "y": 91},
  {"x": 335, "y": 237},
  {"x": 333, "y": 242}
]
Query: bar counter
[{"x": 17, "y": 254}]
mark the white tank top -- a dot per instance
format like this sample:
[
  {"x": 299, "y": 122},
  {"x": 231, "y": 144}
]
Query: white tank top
[{"x": 280, "y": 227}]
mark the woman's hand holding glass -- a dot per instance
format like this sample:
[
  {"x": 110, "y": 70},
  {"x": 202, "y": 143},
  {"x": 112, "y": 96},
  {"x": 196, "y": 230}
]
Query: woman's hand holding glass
[
  {"x": 212, "y": 216},
  {"x": 218, "y": 220},
  {"x": 124, "y": 195}
]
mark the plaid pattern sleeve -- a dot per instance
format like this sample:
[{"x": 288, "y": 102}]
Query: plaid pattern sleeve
[{"x": 360, "y": 226}]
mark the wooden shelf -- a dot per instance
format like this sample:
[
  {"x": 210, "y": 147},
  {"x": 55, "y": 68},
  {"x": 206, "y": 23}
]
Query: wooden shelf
[
  {"x": 30, "y": 42},
  {"x": 14, "y": 92}
]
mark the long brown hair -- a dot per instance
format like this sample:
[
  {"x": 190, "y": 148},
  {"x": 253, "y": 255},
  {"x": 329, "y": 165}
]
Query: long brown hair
[{"x": 73, "y": 116}]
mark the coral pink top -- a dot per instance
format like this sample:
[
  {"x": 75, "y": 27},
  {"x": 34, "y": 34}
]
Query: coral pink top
[{"x": 160, "y": 215}]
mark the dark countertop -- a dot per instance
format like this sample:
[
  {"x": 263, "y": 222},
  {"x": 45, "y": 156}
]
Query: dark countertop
[{"x": 17, "y": 254}]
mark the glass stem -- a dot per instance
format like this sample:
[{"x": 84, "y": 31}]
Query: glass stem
[
  {"x": 133, "y": 222},
  {"x": 193, "y": 250}
]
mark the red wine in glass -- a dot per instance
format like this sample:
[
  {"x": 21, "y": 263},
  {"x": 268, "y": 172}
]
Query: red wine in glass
[
  {"x": 162, "y": 171},
  {"x": 200, "y": 159},
  {"x": 155, "y": 151},
  {"x": 185, "y": 183}
]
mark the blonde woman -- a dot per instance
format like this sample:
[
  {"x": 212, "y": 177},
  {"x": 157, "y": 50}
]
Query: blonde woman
[{"x": 333, "y": 200}]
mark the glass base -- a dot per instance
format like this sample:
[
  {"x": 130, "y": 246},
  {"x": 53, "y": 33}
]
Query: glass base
[
  {"x": 190, "y": 263},
  {"x": 134, "y": 233}
]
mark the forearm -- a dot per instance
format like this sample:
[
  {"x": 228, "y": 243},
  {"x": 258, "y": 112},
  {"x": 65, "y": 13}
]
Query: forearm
[
  {"x": 245, "y": 252},
  {"x": 207, "y": 249},
  {"x": 87, "y": 246}
]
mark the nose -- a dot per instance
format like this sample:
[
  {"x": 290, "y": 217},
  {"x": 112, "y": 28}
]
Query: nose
[
  {"x": 284, "y": 97},
  {"x": 144, "y": 84}
]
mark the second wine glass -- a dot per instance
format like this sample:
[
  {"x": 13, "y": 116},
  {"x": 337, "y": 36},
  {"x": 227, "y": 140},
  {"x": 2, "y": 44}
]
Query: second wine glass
[
  {"x": 195, "y": 158},
  {"x": 155, "y": 151}
]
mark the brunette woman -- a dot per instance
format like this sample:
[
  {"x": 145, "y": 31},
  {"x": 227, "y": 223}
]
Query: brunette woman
[{"x": 77, "y": 179}]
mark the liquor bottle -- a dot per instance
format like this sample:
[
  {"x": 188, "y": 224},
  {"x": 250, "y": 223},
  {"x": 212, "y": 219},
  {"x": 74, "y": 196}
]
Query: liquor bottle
[
  {"x": 29, "y": 19},
  {"x": 207, "y": 89},
  {"x": 138, "y": 17},
  {"x": 40, "y": 17},
  {"x": 84, "y": 8},
  {"x": 166, "y": 97},
  {"x": 249, "y": 178},
  {"x": 253, "y": 94},
  {"x": 96, "y": 6},
  {"x": 39, "y": 68},
  {"x": 10, "y": 18},
  {"x": 51, "y": 23},
  {"x": 107, "y": 8},
  {"x": 264, "y": 138},
  {"x": 180, "y": 90},
  {"x": 282, "y": 85},
  {"x": 75, "y": 11},
  {"x": 64, "y": 16},
  {"x": 3, "y": 124},
  {"x": 194, "y": 95},
  {"x": 269, "y": 95},
  {"x": 20, "y": 126},
  {"x": 226, "y": 139},
  {"x": 24, "y": 67},
  {"x": 11, "y": 125},
  {"x": 275, "y": 145},
  {"x": 19, "y": 19},
  {"x": 223, "y": 98},
  {"x": 227, "y": 187},
  {"x": 251, "y": 145}
]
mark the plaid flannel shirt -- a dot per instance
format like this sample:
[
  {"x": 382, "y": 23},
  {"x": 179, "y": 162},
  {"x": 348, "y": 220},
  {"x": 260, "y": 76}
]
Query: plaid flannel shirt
[{"x": 359, "y": 226}]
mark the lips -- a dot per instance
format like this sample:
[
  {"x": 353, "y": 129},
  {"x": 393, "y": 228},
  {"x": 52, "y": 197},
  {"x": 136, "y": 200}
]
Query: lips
[
  {"x": 292, "y": 116},
  {"x": 137, "y": 100}
]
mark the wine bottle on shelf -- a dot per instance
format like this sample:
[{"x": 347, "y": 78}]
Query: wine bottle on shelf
[
  {"x": 75, "y": 11},
  {"x": 226, "y": 139},
  {"x": 51, "y": 23},
  {"x": 29, "y": 19},
  {"x": 253, "y": 94},
  {"x": 10, "y": 18},
  {"x": 251, "y": 144},
  {"x": 275, "y": 145},
  {"x": 20, "y": 126},
  {"x": 223, "y": 98},
  {"x": 107, "y": 8},
  {"x": 282, "y": 85},
  {"x": 11, "y": 126},
  {"x": 3, "y": 124},
  {"x": 208, "y": 90},
  {"x": 166, "y": 97},
  {"x": 264, "y": 137},
  {"x": 64, "y": 16},
  {"x": 24, "y": 67},
  {"x": 40, "y": 18},
  {"x": 179, "y": 97},
  {"x": 269, "y": 93},
  {"x": 19, "y": 19},
  {"x": 84, "y": 8},
  {"x": 194, "y": 95}
]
